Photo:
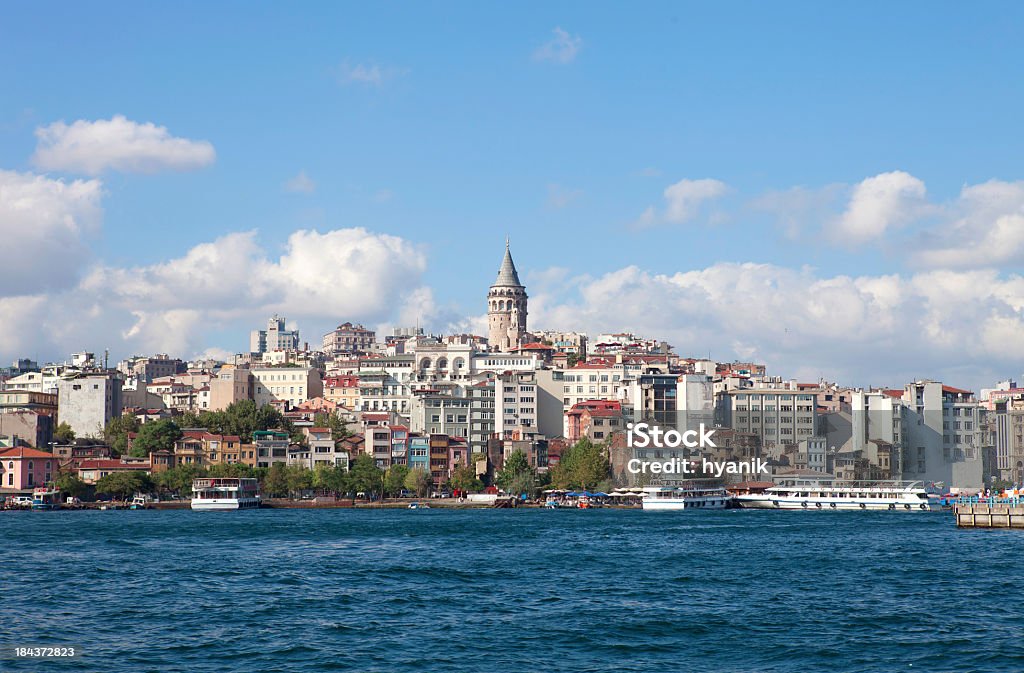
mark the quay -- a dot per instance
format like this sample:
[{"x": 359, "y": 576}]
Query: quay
[{"x": 989, "y": 515}]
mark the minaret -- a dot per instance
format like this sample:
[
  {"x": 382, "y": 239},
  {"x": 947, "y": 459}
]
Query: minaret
[{"x": 506, "y": 307}]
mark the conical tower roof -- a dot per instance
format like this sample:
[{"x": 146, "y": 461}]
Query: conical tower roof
[{"x": 507, "y": 275}]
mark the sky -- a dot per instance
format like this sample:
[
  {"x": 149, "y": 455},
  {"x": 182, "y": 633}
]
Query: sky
[{"x": 833, "y": 189}]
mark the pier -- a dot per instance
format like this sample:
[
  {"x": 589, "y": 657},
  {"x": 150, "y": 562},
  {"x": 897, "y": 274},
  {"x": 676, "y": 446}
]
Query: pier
[{"x": 989, "y": 515}]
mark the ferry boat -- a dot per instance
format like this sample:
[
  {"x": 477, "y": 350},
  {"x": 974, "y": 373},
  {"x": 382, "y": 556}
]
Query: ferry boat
[
  {"x": 853, "y": 495},
  {"x": 225, "y": 493},
  {"x": 45, "y": 498},
  {"x": 684, "y": 497}
]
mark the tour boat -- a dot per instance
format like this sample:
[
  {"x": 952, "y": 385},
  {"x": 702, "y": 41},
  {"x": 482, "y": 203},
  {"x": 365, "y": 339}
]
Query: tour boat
[
  {"x": 225, "y": 493},
  {"x": 684, "y": 497},
  {"x": 45, "y": 498},
  {"x": 878, "y": 495}
]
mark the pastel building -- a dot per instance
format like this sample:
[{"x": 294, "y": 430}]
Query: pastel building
[{"x": 22, "y": 469}]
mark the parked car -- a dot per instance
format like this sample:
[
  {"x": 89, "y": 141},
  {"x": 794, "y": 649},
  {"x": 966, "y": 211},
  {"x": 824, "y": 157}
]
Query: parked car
[{"x": 21, "y": 500}]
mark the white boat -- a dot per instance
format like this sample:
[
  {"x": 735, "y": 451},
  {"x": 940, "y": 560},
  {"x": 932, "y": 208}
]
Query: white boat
[
  {"x": 225, "y": 493},
  {"x": 684, "y": 497},
  {"x": 813, "y": 495}
]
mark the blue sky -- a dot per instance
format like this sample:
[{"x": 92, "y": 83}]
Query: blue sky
[{"x": 450, "y": 125}]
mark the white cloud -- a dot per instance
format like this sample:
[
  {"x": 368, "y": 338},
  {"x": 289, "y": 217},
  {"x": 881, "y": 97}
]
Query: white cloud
[
  {"x": 562, "y": 48},
  {"x": 300, "y": 183},
  {"x": 45, "y": 225},
  {"x": 983, "y": 227},
  {"x": 877, "y": 205},
  {"x": 344, "y": 273},
  {"x": 882, "y": 329},
  {"x": 560, "y": 197},
  {"x": 368, "y": 74},
  {"x": 92, "y": 147},
  {"x": 683, "y": 201}
]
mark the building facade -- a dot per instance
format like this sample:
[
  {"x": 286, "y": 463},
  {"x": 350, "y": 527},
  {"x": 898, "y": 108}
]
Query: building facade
[{"x": 506, "y": 308}]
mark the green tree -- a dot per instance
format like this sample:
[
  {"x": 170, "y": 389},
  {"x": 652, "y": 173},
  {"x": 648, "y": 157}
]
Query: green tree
[
  {"x": 178, "y": 479},
  {"x": 394, "y": 480},
  {"x": 584, "y": 465},
  {"x": 240, "y": 418},
  {"x": 156, "y": 436},
  {"x": 299, "y": 479},
  {"x": 70, "y": 485},
  {"x": 339, "y": 430},
  {"x": 116, "y": 432},
  {"x": 275, "y": 482},
  {"x": 123, "y": 485},
  {"x": 63, "y": 434},
  {"x": 365, "y": 476},
  {"x": 464, "y": 479},
  {"x": 234, "y": 470},
  {"x": 517, "y": 475},
  {"x": 331, "y": 478},
  {"x": 419, "y": 482}
]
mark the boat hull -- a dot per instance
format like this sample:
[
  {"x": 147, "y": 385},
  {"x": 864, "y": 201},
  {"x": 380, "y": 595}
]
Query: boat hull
[
  {"x": 835, "y": 504},
  {"x": 672, "y": 504},
  {"x": 225, "y": 504}
]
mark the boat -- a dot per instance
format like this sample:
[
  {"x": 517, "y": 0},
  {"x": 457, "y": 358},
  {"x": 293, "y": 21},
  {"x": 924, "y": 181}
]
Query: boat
[
  {"x": 852, "y": 495},
  {"x": 218, "y": 493},
  {"x": 416, "y": 505},
  {"x": 140, "y": 502},
  {"x": 45, "y": 498},
  {"x": 687, "y": 496}
]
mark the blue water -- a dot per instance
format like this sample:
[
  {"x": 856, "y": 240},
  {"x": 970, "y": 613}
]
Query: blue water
[{"x": 510, "y": 590}]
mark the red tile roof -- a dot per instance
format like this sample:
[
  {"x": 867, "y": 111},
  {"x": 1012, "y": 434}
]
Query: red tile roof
[
  {"x": 24, "y": 452},
  {"x": 112, "y": 464},
  {"x": 956, "y": 391}
]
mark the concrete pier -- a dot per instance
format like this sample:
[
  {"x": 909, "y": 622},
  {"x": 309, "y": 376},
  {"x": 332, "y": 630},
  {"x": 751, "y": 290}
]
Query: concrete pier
[{"x": 981, "y": 515}]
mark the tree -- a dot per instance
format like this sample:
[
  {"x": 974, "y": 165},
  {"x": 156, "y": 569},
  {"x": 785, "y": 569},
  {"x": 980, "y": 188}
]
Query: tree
[
  {"x": 583, "y": 465},
  {"x": 63, "y": 434},
  {"x": 339, "y": 430},
  {"x": 240, "y": 418},
  {"x": 70, "y": 485},
  {"x": 517, "y": 476},
  {"x": 156, "y": 436},
  {"x": 419, "y": 482},
  {"x": 299, "y": 479},
  {"x": 365, "y": 476},
  {"x": 394, "y": 480},
  {"x": 116, "y": 432},
  {"x": 123, "y": 485},
  {"x": 464, "y": 479},
  {"x": 331, "y": 478},
  {"x": 275, "y": 482},
  {"x": 178, "y": 479}
]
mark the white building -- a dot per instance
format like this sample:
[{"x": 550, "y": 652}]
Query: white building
[
  {"x": 290, "y": 386},
  {"x": 275, "y": 337}
]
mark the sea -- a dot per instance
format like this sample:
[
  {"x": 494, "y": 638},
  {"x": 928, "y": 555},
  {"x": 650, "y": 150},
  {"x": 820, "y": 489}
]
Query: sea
[{"x": 496, "y": 591}]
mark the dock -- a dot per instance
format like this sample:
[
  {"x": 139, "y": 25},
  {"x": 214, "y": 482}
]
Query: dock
[{"x": 986, "y": 515}]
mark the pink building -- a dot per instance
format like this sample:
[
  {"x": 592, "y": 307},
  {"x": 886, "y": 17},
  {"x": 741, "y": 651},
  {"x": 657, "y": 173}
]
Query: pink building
[{"x": 22, "y": 469}]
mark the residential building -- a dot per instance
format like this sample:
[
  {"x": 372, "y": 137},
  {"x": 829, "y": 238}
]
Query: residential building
[
  {"x": 348, "y": 339},
  {"x": 942, "y": 435},
  {"x": 87, "y": 403},
  {"x": 271, "y": 447},
  {"x": 343, "y": 390},
  {"x": 286, "y": 386},
  {"x": 22, "y": 469},
  {"x": 231, "y": 384},
  {"x": 275, "y": 337},
  {"x": 594, "y": 419},
  {"x": 92, "y": 470}
]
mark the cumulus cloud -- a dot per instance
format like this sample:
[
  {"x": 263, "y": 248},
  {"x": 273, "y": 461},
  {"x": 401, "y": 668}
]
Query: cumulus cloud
[
  {"x": 560, "y": 197},
  {"x": 562, "y": 48},
  {"x": 367, "y": 74},
  {"x": 45, "y": 225},
  {"x": 222, "y": 285},
  {"x": 92, "y": 147},
  {"x": 983, "y": 227},
  {"x": 881, "y": 329},
  {"x": 300, "y": 183},
  {"x": 683, "y": 201},
  {"x": 877, "y": 205}
]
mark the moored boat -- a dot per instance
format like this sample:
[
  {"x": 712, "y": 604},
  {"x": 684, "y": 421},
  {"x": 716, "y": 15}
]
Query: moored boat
[
  {"x": 220, "y": 493},
  {"x": 45, "y": 498},
  {"x": 853, "y": 495},
  {"x": 688, "y": 496}
]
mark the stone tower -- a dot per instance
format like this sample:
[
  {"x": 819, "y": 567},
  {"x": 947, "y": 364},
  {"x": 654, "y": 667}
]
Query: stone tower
[{"x": 506, "y": 308}]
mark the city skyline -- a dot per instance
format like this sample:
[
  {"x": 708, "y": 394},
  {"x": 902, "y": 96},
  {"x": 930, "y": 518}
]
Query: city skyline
[{"x": 864, "y": 226}]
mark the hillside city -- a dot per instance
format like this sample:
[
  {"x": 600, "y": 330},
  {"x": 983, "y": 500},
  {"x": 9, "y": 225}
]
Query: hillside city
[{"x": 456, "y": 407}]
